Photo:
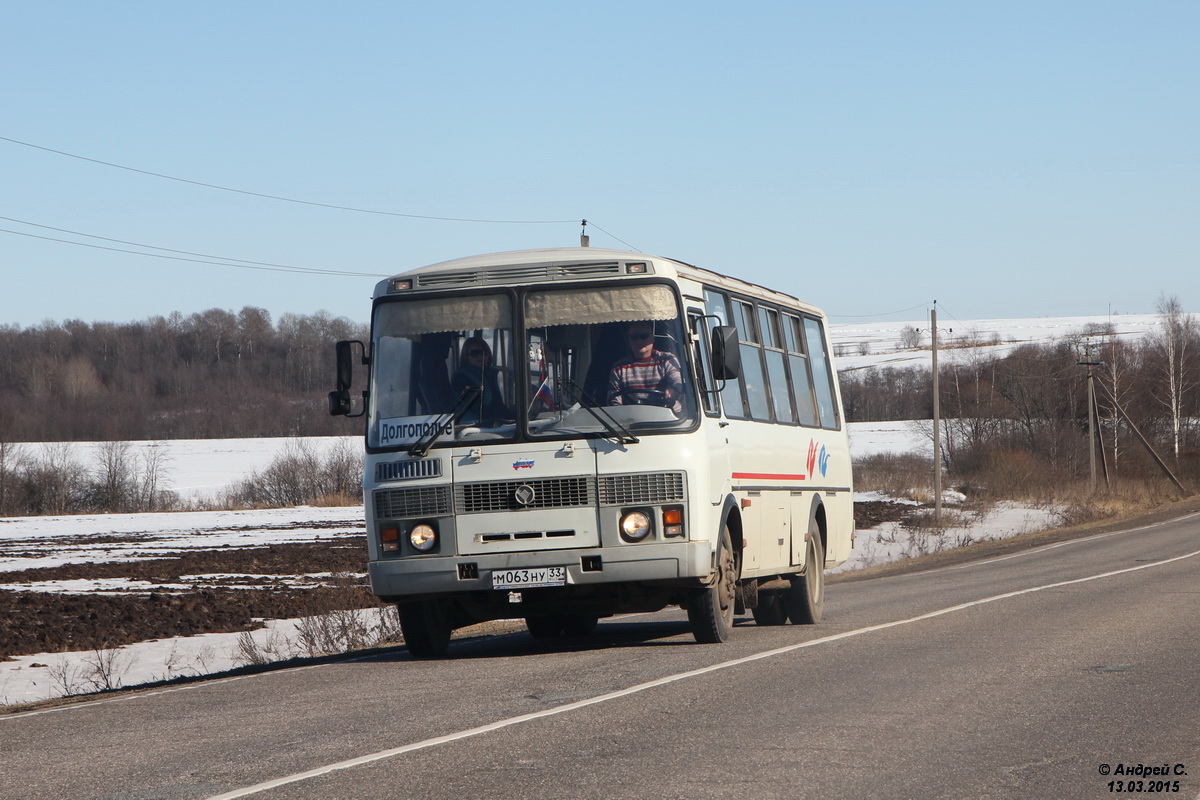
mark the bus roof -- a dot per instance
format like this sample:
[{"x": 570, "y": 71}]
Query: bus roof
[{"x": 506, "y": 268}]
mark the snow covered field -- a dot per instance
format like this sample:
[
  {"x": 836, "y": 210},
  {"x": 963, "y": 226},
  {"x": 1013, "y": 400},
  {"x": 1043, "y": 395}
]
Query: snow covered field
[
  {"x": 197, "y": 469},
  {"x": 39, "y": 542},
  {"x": 878, "y": 344}
]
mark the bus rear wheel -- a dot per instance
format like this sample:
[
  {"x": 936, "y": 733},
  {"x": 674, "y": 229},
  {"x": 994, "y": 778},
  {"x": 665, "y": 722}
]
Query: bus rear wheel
[
  {"x": 426, "y": 627},
  {"x": 544, "y": 627},
  {"x": 710, "y": 610},
  {"x": 770, "y": 609},
  {"x": 579, "y": 624},
  {"x": 805, "y": 598},
  {"x": 571, "y": 625}
]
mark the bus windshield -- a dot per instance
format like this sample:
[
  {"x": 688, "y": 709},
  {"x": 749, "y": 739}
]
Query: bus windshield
[
  {"x": 602, "y": 361},
  {"x": 444, "y": 370},
  {"x": 605, "y": 358}
]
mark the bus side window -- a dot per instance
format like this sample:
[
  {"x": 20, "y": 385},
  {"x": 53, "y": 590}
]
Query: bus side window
[
  {"x": 715, "y": 304},
  {"x": 806, "y": 404},
  {"x": 753, "y": 375},
  {"x": 777, "y": 377},
  {"x": 822, "y": 379}
]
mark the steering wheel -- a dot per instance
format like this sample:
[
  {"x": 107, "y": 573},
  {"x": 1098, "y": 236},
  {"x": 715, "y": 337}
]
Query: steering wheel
[{"x": 646, "y": 397}]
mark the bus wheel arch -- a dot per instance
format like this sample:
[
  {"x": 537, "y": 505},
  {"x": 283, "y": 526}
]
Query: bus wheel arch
[
  {"x": 731, "y": 520},
  {"x": 817, "y": 521}
]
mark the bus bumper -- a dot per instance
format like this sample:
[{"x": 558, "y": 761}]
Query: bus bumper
[{"x": 651, "y": 562}]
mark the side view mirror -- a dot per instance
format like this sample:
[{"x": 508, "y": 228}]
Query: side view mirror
[
  {"x": 727, "y": 358},
  {"x": 339, "y": 399}
]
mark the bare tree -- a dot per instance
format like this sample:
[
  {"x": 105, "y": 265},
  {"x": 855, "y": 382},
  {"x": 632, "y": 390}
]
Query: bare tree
[
  {"x": 154, "y": 461},
  {"x": 910, "y": 338},
  {"x": 1175, "y": 343},
  {"x": 1114, "y": 356},
  {"x": 115, "y": 482}
]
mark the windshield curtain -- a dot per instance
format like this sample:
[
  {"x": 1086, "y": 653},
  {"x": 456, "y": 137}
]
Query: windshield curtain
[
  {"x": 443, "y": 364},
  {"x": 606, "y": 358}
]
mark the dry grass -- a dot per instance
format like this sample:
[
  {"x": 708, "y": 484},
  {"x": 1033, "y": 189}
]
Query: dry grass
[
  {"x": 1016, "y": 476},
  {"x": 1124, "y": 498},
  {"x": 895, "y": 474},
  {"x": 340, "y": 618},
  {"x": 338, "y": 500}
]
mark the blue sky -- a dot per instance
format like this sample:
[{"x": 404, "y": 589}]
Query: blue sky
[{"x": 1012, "y": 159}]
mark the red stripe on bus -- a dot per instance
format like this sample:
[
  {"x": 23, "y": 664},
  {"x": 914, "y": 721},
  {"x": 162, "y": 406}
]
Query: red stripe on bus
[{"x": 767, "y": 476}]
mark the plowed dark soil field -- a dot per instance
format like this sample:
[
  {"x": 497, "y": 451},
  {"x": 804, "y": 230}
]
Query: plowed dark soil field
[{"x": 226, "y": 590}]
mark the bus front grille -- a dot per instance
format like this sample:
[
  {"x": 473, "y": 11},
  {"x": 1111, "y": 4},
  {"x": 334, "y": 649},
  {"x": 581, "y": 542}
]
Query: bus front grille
[
  {"x": 576, "y": 492},
  {"x": 474, "y": 498},
  {"x": 424, "y": 501},
  {"x": 645, "y": 489}
]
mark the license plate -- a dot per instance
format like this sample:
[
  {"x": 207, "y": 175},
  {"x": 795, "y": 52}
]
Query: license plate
[{"x": 529, "y": 578}]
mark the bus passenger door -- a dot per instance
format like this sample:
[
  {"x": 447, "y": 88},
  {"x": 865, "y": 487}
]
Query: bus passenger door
[{"x": 716, "y": 430}]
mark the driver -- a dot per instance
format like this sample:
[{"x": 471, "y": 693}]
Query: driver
[{"x": 649, "y": 376}]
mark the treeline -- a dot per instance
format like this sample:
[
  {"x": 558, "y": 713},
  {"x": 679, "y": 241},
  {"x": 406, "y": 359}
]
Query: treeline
[
  {"x": 214, "y": 374},
  {"x": 1026, "y": 413},
  {"x": 117, "y": 480}
]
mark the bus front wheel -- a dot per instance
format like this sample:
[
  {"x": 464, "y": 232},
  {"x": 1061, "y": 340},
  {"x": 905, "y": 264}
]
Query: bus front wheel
[
  {"x": 710, "y": 610},
  {"x": 426, "y": 627}
]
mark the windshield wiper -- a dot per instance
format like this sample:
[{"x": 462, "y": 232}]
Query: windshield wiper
[
  {"x": 614, "y": 428},
  {"x": 422, "y": 445}
]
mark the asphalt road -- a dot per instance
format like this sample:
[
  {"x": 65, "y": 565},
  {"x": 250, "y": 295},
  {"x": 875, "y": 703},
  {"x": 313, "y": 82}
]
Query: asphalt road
[{"x": 1023, "y": 676}]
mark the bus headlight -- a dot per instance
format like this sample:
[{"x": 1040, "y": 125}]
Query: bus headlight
[
  {"x": 635, "y": 526},
  {"x": 423, "y": 537}
]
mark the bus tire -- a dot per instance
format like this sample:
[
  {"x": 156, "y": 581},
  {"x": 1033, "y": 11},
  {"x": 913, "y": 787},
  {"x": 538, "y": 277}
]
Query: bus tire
[
  {"x": 579, "y": 624},
  {"x": 770, "y": 609},
  {"x": 805, "y": 599},
  {"x": 547, "y": 627},
  {"x": 710, "y": 610},
  {"x": 426, "y": 627}
]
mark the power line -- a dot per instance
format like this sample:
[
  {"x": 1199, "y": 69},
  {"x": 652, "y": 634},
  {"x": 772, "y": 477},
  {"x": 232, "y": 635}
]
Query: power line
[
  {"x": 866, "y": 316},
  {"x": 287, "y": 267},
  {"x": 245, "y": 265},
  {"x": 290, "y": 199},
  {"x": 606, "y": 233}
]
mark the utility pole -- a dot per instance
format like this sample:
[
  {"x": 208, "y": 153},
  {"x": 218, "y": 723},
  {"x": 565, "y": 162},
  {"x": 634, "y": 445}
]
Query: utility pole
[
  {"x": 937, "y": 422},
  {"x": 1141, "y": 438},
  {"x": 1092, "y": 409}
]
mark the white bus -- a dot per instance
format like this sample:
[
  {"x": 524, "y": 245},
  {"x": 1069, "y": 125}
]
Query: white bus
[{"x": 567, "y": 434}]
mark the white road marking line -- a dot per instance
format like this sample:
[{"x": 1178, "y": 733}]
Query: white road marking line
[
  {"x": 1045, "y": 548},
  {"x": 669, "y": 679}
]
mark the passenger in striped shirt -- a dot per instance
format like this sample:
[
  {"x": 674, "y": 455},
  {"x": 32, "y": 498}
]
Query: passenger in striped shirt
[{"x": 649, "y": 376}]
